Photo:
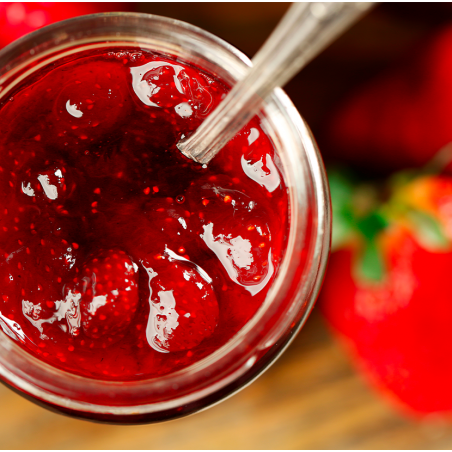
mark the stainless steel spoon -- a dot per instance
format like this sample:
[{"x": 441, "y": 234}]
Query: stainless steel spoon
[{"x": 304, "y": 31}]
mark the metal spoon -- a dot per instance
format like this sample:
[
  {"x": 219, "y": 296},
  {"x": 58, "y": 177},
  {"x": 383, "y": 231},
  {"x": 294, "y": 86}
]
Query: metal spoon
[{"x": 304, "y": 31}]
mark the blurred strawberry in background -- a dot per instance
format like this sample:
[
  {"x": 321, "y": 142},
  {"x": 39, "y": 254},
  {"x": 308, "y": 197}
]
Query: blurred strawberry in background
[
  {"x": 402, "y": 117},
  {"x": 20, "y": 18},
  {"x": 388, "y": 290}
]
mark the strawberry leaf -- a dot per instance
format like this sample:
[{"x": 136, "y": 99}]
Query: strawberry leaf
[
  {"x": 371, "y": 266},
  {"x": 343, "y": 218},
  {"x": 357, "y": 213},
  {"x": 428, "y": 230},
  {"x": 371, "y": 225}
]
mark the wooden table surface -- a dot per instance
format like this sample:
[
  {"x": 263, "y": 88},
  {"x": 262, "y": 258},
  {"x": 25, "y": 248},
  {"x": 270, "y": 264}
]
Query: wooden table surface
[{"x": 310, "y": 399}]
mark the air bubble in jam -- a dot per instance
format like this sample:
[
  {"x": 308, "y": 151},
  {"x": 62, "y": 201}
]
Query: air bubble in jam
[{"x": 120, "y": 259}]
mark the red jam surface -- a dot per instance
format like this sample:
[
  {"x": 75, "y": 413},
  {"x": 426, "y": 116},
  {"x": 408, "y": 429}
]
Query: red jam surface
[{"x": 121, "y": 259}]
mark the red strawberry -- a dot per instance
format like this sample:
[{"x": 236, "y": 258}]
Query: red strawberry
[
  {"x": 110, "y": 295},
  {"x": 35, "y": 286},
  {"x": 401, "y": 118},
  {"x": 162, "y": 84},
  {"x": 87, "y": 94},
  {"x": 388, "y": 290},
  {"x": 183, "y": 306},
  {"x": 234, "y": 228}
]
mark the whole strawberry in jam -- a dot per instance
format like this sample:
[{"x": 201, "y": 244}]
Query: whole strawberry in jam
[
  {"x": 183, "y": 306},
  {"x": 163, "y": 83},
  {"x": 243, "y": 246},
  {"x": 39, "y": 281},
  {"x": 388, "y": 290},
  {"x": 80, "y": 110},
  {"x": 110, "y": 294}
]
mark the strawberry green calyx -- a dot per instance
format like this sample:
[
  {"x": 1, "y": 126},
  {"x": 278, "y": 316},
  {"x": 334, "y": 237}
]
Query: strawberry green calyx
[
  {"x": 362, "y": 213},
  {"x": 428, "y": 230},
  {"x": 357, "y": 219},
  {"x": 341, "y": 189},
  {"x": 370, "y": 264}
]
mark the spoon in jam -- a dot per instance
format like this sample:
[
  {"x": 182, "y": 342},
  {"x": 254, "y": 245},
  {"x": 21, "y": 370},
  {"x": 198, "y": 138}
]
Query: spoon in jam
[{"x": 304, "y": 31}]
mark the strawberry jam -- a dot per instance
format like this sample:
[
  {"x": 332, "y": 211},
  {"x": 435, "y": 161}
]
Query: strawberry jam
[{"x": 120, "y": 259}]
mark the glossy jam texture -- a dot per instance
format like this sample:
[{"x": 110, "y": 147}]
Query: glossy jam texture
[{"x": 119, "y": 258}]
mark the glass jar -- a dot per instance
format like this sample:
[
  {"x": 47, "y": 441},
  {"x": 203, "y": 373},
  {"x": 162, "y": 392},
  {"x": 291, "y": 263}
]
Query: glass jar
[{"x": 293, "y": 292}]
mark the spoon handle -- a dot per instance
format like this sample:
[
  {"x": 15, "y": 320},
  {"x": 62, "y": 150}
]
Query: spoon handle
[{"x": 304, "y": 31}]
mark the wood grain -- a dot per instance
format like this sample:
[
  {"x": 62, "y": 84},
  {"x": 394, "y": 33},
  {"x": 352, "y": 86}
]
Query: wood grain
[{"x": 310, "y": 399}]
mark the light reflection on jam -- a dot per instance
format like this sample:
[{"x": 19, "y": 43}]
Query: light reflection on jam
[{"x": 119, "y": 258}]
